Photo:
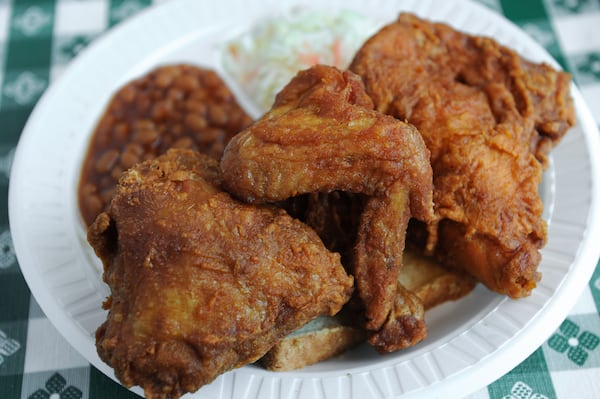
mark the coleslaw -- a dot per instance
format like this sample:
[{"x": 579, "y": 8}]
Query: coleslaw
[{"x": 264, "y": 59}]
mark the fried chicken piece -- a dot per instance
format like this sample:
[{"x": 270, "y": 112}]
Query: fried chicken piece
[
  {"x": 201, "y": 283},
  {"x": 489, "y": 118},
  {"x": 335, "y": 217},
  {"x": 323, "y": 135}
]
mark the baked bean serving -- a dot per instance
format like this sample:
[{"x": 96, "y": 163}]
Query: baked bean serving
[{"x": 180, "y": 106}]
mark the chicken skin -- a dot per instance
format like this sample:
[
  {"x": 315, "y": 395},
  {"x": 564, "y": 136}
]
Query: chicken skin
[
  {"x": 323, "y": 135},
  {"x": 201, "y": 283},
  {"x": 335, "y": 217},
  {"x": 490, "y": 119}
]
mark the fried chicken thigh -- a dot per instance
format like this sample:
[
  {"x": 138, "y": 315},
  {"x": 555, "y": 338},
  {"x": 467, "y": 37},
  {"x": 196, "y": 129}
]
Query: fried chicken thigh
[
  {"x": 489, "y": 118},
  {"x": 322, "y": 135},
  {"x": 201, "y": 283}
]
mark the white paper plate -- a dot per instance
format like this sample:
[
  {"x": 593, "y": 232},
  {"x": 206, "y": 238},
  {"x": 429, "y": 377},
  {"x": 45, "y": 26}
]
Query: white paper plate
[{"x": 472, "y": 342}]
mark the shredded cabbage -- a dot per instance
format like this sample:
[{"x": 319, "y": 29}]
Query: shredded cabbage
[{"x": 264, "y": 59}]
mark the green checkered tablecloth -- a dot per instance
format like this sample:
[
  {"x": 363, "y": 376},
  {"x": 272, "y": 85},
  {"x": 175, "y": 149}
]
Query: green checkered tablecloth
[{"x": 38, "y": 38}]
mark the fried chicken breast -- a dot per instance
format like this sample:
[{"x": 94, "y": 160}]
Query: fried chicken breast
[
  {"x": 201, "y": 283},
  {"x": 489, "y": 118}
]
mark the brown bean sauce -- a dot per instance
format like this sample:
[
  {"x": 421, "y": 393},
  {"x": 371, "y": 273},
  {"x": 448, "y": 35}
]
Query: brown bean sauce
[{"x": 173, "y": 106}]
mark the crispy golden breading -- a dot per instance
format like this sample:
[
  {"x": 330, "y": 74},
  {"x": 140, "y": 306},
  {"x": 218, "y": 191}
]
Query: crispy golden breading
[
  {"x": 201, "y": 283},
  {"x": 489, "y": 118},
  {"x": 323, "y": 135},
  {"x": 334, "y": 216}
]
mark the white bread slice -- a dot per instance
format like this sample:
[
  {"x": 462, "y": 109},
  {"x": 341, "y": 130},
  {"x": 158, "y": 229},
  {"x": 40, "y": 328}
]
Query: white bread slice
[
  {"x": 318, "y": 340},
  {"x": 326, "y": 337}
]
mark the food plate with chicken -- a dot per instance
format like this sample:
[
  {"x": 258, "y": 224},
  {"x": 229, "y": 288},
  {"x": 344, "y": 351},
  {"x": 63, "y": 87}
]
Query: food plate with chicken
[{"x": 471, "y": 341}]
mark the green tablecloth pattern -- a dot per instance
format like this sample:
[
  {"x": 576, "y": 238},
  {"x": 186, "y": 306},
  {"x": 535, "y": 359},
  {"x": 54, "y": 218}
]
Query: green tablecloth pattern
[{"x": 38, "y": 38}]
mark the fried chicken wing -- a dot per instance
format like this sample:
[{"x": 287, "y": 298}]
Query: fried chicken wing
[
  {"x": 335, "y": 217},
  {"x": 489, "y": 118},
  {"x": 322, "y": 135},
  {"x": 201, "y": 283}
]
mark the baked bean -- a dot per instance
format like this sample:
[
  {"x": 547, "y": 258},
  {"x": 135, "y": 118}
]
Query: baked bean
[
  {"x": 222, "y": 93},
  {"x": 175, "y": 94},
  {"x": 134, "y": 148},
  {"x": 128, "y": 94},
  {"x": 128, "y": 159},
  {"x": 172, "y": 106},
  {"x": 143, "y": 124},
  {"x": 177, "y": 130},
  {"x": 143, "y": 104},
  {"x": 121, "y": 132},
  {"x": 164, "y": 77},
  {"x": 209, "y": 135},
  {"x": 105, "y": 181},
  {"x": 161, "y": 110},
  {"x": 217, "y": 114},
  {"x": 195, "y": 106},
  {"x": 116, "y": 172},
  {"x": 195, "y": 122},
  {"x": 145, "y": 136},
  {"x": 184, "y": 142},
  {"x": 107, "y": 161},
  {"x": 186, "y": 83},
  {"x": 93, "y": 203},
  {"x": 199, "y": 96}
]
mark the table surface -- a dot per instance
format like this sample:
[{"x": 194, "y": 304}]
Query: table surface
[{"x": 38, "y": 38}]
